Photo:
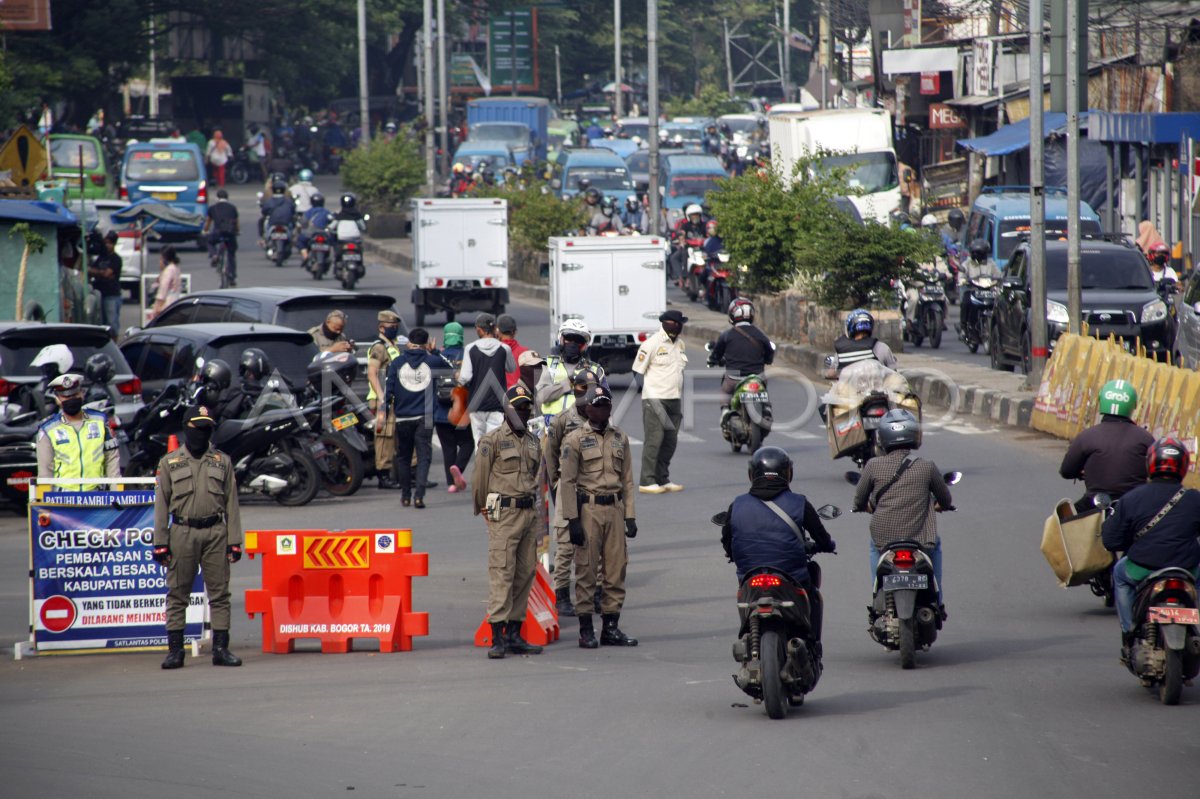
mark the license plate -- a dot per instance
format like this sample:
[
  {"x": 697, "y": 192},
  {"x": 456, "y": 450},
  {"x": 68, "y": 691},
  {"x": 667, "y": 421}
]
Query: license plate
[
  {"x": 459, "y": 284},
  {"x": 320, "y": 248},
  {"x": 344, "y": 421},
  {"x": 164, "y": 195},
  {"x": 905, "y": 582},
  {"x": 351, "y": 256},
  {"x": 988, "y": 294},
  {"x": 279, "y": 234},
  {"x": 754, "y": 396},
  {"x": 1173, "y": 615}
]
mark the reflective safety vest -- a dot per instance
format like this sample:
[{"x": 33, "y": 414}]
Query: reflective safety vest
[
  {"x": 558, "y": 371},
  {"x": 393, "y": 353},
  {"x": 78, "y": 454},
  {"x": 850, "y": 351}
]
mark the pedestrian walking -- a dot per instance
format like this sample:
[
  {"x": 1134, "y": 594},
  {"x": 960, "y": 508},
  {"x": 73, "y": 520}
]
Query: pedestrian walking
[
  {"x": 169, "y": 286},
  {"x": 197, "y": 524},
  {"x": 454, "y": 435},
  {"x": 486, "y": 364},
  {"x": 383, "y": 351},
  {"x": 218, "y": 154},
  {"x": 505, "y": 487},
  {"x": 595, "y": 491},
  {"x": 661, "y": 361},
  {"x": 409, "y": 394},
  {"x": 76, "y": 443}
]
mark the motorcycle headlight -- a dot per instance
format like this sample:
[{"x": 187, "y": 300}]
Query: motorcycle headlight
[
  {"x": 1056, "y": 312},
  {"x": 1154, "y": 311},
  {"x": 986, "y": 282}
]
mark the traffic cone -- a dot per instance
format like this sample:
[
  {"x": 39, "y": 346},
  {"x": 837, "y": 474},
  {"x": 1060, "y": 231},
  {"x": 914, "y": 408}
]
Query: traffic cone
[{"x": 172, "y": 442}]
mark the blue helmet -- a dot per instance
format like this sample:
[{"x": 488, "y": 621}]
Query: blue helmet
[
  {"x": 306, "y": 176},
  {"x": 859, "y": 321}
]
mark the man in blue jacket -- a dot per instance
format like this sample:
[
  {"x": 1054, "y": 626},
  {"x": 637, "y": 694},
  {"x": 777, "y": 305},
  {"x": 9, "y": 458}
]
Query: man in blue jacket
[
  {"x": 1150, "y": 541},
  {"x": 755, "y": 535},
  {"x": 410, "y": 393}
]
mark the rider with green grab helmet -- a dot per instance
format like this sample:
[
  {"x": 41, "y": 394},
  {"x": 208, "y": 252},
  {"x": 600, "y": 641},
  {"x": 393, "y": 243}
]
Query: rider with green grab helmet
[{"x": 1110, "y": 457}]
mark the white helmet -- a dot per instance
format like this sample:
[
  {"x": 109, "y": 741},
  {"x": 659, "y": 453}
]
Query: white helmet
[
  {"x": 929, "y": 220},
  {"x": 577, "y": 327},
  {"x": 56, "y": 354},
  {"x": 693, "y": 209}
]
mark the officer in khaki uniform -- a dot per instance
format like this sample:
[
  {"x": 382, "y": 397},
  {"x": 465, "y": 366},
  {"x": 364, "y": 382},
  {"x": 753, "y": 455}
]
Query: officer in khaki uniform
[
  {"x": 595, "y": 495},
  {"x": 565, "y": 422},
  {"x": 330, "y": 336},
  {"x": 197, "y": 523},
  {"x": 383, "y": 351},
  {"x": 508, "y": 461}
]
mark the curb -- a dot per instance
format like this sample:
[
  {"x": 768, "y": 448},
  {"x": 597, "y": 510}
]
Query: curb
[{"x": 1011, "y": 410}]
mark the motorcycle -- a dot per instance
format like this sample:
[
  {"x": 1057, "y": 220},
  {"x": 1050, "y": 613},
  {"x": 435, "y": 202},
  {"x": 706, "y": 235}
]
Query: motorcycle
[
  {"x": 319, "y": 252},
  {"x": 929, "y": 317},
  {"x": 1166, "y": 639},
  {"x": 906, "y": 612},
  {"x": 344, "y": 446},
  {"x": 278, "y": 244},
  {"x": 697, "y": 265},
  {"x": 950, "y": 281},
  {"x": 348, "y": 264},
  {"x": 780, "y": 662},
  {"x": 18, "y": 454},
  {"x": 717, "y": 293},
  {"x": 242, "y": 167},
  {"x": 266, "y": 457},
  {"x": 749, "y": 417},
  {"x": 979, "y": 301}
]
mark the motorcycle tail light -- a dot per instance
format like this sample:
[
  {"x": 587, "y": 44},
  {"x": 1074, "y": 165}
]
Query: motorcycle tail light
[
  {"x": 124, "y": 193},
  {"x": 6, "y": 387},
  {"x": 351, "y": 246},
  {"x": 130, "y": 388},
  {"x": 765, "y": 581},
  {"x": 753, "y": 387},
  {"x": 1172, "y": 584},
  {"x": 880, "y": 411},
  {"x": 904, "y": 558}
]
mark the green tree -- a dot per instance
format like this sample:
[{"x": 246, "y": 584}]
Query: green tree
[{"x": 386, "y": 174}]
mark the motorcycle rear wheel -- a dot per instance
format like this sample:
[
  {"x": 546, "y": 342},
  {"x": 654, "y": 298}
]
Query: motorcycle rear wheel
[
  {"x": 239, "y": 174},
  {"x": 346, "y": 469},
  {"x": 303, "y": 482},
  {"x": 1170, "y": 689},
  {"x": 771, "y": 654},
  {"x": 756, "y": 438},
  {"x": 933, "y": 326},
  {"x": 908, "y": 644}
]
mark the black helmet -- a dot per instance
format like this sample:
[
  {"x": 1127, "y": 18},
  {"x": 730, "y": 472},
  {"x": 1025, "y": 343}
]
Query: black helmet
[
  {"x": 955, "y": 218},
  {"x": 584, "y": 184},
  {"x": 216, "y": 374},
  {"x": 349, "y": 202},
  {"x": 317, "y": 200},
  {"x": 592, "y": 196},
  {"x": 278, "y": 187},
  {"x": 770, "y": 462},
  {"x": 100, "y": 368},
  {"x": 980, "y": 249},
  {"x": 608, "y": 205},
  {"x": 255, "y": 362},
  {"x": 489, "y": 175},
  {"x": 899, "y": 428}
]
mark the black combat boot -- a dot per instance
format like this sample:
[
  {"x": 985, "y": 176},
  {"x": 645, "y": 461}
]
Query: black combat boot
[
  {"x": 611, "y": 634},
  {"x": 587, "y": 635},
  {"x": 499, "y": 641},
  {"x": 221, "y": 654},
  {"x": 563, "y": 603},
  {"x": 174, "y": 658},
  {"x": 518, "y": 645}
]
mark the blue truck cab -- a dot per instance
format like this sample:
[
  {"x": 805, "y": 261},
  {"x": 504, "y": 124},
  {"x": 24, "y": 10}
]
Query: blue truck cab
[
  {"x": 604, "y": 168},
  {"x": 521, "y": 122},
  {"x": 685, "y": 179},
  {"x": 477, "y": 154},
  {"x": 1001, "y": 216},
  {"x": 169, "y": 171}
]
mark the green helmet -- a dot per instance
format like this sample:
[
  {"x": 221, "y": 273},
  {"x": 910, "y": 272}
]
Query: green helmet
[{"x": 1118, "y": 398}]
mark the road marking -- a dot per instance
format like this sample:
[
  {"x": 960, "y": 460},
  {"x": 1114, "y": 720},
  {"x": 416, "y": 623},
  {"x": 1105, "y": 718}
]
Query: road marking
[
  {"x": 798, "y": 435},
  {"x": 690, "y": 438}
]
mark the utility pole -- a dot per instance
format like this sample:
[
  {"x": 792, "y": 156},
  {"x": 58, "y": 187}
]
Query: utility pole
[
  {"x": 443, "y": 88},
  {"x": 152, "y": 94},
  {"x": 787, "y": 51},
  {"x": 512, "y": 51},
  {"x": 558, "y": 74},
  {"x": 364, "y": 106},
  {"x": 652, "y": 101},
  {"x": 1074, "y": 293},
  {"x": 428, "y": 76},
  {"x": 618, "y": 95},
  {"x": 728, "y": 60},
  {"x": 825, "y": 50},
  {"x": 1037, "y": 193}
]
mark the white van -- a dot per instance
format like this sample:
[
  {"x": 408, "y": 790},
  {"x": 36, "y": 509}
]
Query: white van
[{"x": 460, "y": 256}]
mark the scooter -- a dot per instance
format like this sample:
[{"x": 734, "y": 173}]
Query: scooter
[
  {"x": 697, "y": 265},
  {"x": 1165, "y": 653},
  {"x": 979, "y": 301},
  {"x": 749, "y": 417},
  {"x": 717, "y": 293},
  {"x": 780, "y": 661},
  {"x": 929, "y": 317},
  {"x": 348, "y": 264},
  {"x": 320, "y": 250},
  {"x": 278, "y": 244},
  {"x": 906, "y": 612}
]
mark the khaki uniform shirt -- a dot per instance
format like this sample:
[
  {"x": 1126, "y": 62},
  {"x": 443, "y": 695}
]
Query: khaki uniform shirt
[
  {"x": 324, "y": 342},
  {"x": 192, "y": 488},
  {"x": 662, "y": 361},
  {"x": 560, "y": 426},
  {"x": 595, "y": 463},
  {"x": 506, "y": 464}
]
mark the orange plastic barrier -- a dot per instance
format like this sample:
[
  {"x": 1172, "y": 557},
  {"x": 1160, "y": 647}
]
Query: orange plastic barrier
[
  {"x": 541, "y": 618},
  {"x": 336, "y": 587}
]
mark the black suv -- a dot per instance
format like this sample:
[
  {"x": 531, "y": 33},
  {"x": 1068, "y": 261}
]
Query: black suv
[{"x": 1119, "y": 298}]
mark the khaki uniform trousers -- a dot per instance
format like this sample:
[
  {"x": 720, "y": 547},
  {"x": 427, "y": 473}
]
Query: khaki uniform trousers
[
  {"x": 203, "y": 548},
  {"x": 512, "y": 561},
  {"x": 385, "y": 442},
  {"x": 604, "y": 527},
  {"x": 564, "y": 553}
]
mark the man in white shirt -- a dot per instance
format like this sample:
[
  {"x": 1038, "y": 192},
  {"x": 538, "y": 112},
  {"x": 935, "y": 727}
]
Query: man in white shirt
[{"x": 661, "y": 362}]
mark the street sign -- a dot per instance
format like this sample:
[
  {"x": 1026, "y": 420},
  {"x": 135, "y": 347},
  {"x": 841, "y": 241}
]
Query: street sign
[
  {"x": 25, "y": 155},
  {"x": 931, "y": 83},
  {"x": 513, "y": 34},
  {"x": 58, "y": 613},
  {"x": 942, "y": 116},
  {"x": 337, "y": 552}
]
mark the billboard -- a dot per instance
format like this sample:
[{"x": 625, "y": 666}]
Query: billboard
[
  {"x": 25, "y": 15},
  {"x": 512, "y": 45}
]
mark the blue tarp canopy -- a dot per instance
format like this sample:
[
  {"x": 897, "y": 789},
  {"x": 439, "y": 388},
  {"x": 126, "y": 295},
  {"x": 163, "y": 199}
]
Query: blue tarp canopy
[
  {"x": 36, "y": 211},
  {"x": 156, "y": 211},
  {"x": 1164, "y": 128},
  {"x": 1015, "y": 137}
]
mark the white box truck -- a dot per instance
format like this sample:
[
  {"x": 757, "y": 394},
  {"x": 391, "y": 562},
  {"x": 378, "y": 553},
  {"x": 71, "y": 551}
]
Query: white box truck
[
  {"x": 863, "y": 139},
  {"x": 616, "y": 285},
  {"x": 460, "y": 256}
]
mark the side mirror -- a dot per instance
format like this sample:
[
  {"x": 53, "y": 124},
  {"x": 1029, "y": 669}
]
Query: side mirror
[
  {"x": 952, "y": 478},
  {"x": 853, "y": 478},
  {"x": 828, "y": 512},
  {"x": 1102, "y": 500},
  {"x": 1196, "y": 308},
  {"x": 719, "y": 519},
  {"x": 708, "y": 346}
]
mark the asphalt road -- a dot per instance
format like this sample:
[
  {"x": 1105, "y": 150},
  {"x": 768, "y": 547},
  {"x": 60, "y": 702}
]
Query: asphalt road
[{"x": 1021, "y": 696}]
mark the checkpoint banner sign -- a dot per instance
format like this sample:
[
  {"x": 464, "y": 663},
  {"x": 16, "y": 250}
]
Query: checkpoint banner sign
[{"x": 95, "y": 585}]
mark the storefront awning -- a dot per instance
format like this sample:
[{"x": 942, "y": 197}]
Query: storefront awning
[
  {"x": 1015, "y": 137},
  {"x": 1164, "y": 128},
  {"x": 920, "y": 59}
]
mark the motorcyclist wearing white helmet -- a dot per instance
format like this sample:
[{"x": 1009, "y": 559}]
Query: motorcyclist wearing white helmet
[
  {"x": 553, "y": 391},
  {"x": 302, "y": 191},
  {"x": 691, "y": 227}
]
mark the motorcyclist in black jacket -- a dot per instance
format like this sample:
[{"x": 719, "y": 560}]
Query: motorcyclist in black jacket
[
  {"x": 743, "y": 348},
  {"x": 860, "y": 344},
  {"x": 1110, "y": 457}
]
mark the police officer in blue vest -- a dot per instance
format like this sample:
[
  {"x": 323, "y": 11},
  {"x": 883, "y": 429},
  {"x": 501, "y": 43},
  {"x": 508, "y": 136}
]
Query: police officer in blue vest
[{"x": 755, "y": 533}]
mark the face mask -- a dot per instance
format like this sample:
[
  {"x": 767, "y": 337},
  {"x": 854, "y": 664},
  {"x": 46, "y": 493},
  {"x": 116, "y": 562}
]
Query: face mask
[
  {"x": 579, "y": 391},
  {"x": 672, "y": 328},
  {"x": 530, "y": 375},
  {"x": 598, "y": 416},
  {"x": 72, "y": 406},
  {"x": 196, "y": 440},
  {"x": 572, "y": 351},
  {"x": 391, "y": 332},
  {"x": 517, "y": 416}
]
